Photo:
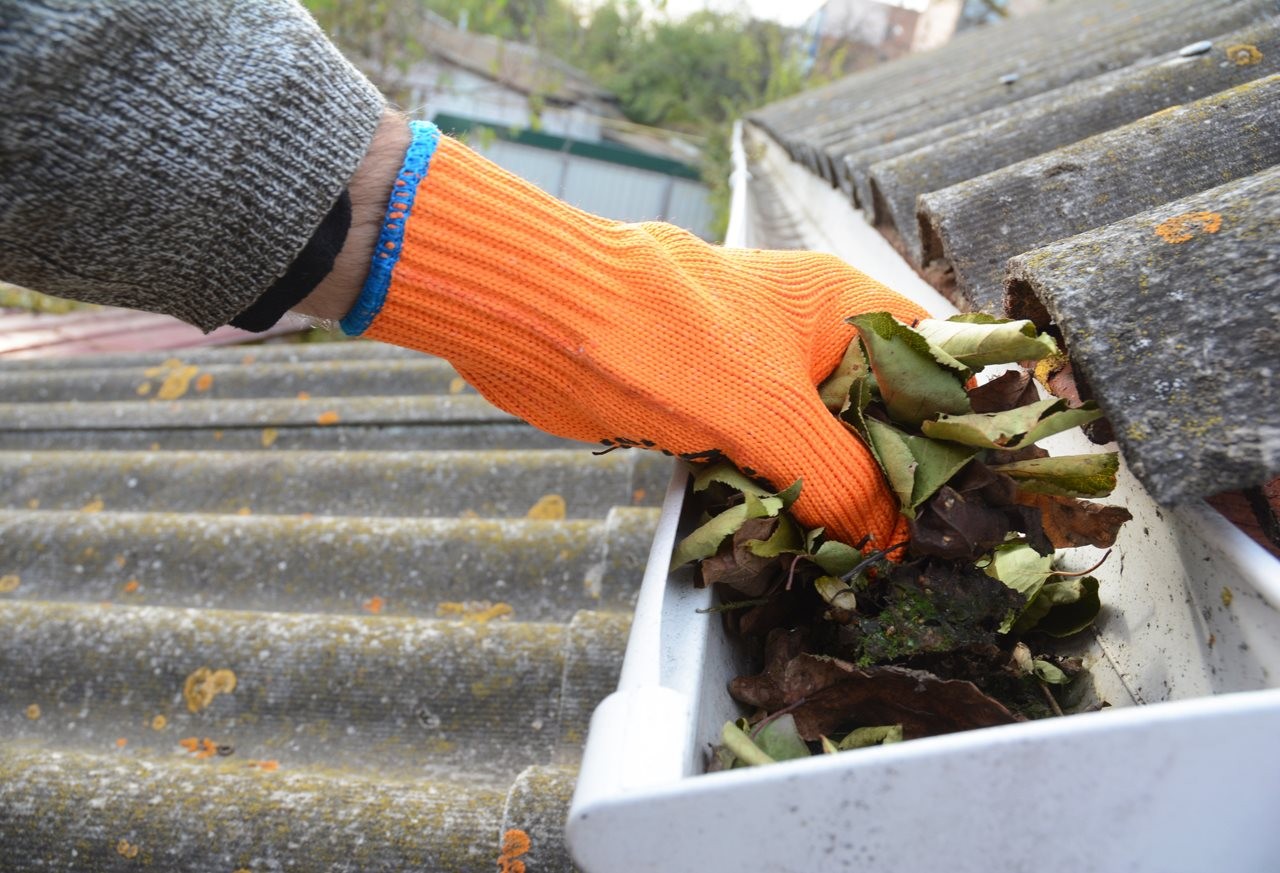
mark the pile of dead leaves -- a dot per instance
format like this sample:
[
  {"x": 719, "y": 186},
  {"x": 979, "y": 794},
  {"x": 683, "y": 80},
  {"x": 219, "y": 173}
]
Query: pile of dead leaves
[{"x": 862, "y": 650}]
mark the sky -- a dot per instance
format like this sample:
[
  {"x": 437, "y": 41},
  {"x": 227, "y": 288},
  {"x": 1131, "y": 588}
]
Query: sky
[{"x": 790, "y": 12}]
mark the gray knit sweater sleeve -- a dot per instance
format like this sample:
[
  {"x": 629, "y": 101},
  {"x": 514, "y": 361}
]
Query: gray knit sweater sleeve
[{"x": 170, "y": 155}]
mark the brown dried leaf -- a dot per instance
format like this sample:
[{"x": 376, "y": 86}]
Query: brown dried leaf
[
  {"x": 765, "y": 689},
  {"x": 1070, "y": 523},
  {"x": 1013, "y": 389},
  {"x": 737, "y": 566},
  {"x": 831, "y": 696}
]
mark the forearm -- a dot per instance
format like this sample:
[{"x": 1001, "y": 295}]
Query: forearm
[{"x": 174, "y": 157}]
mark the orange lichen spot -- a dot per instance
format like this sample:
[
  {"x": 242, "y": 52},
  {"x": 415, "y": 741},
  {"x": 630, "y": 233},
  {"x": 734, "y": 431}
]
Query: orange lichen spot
[
  {"x": 457, "y": 385},
  {"x": 306, "y": 515},
  {"x": 373, "y": 605},
  {"x": 208, "y": 748},
  {"x": 131, "y": 586},
  {"x": 1244, "y": 55},
  {"x": 268, "y": 766},
  {"x": 33, "y": 711},
  {"x": 105, "y": 603},
  {"x": 329, "y": 416},
  {"x": 468, "y": 513},
  {"x": 638, "y": 495},
  {"x": 155, "y": 447},
  {"x": 120, "y": 560},
  {"x": 269, "y": 437},
  {"x": 144, "y": 389},
  {"x": 248, "y": 359},
  {"x": 304, "y": 396},
  {"x": 204, "y": 684},
  {"x": 159, "y": 723},
  {"x": 94, "y": 505},
  {"x": 244, "y": 510},
  {"x": 191, "y": 744},
  {"x": 33, "y": 503},
  {"x": 1185, "y": 227},
  {"x": 478, "y": 611},
  {"x": 515, "y": 843},
  {"x": 126, "y": 849},
  {"x": 10, "y": 583},
  {"x": 204, "y": 382},
  {"x": 217, "y": 435},
  {"x": 549, "y": 507},
  {"x": 121, "y": 742},
  {"x": 176, "y": 383}
]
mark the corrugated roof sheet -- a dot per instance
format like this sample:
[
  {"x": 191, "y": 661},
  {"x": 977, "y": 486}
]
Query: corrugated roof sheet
[
  {"x": 1122, "y": 155},
  {"x": 415, "y": 629}
]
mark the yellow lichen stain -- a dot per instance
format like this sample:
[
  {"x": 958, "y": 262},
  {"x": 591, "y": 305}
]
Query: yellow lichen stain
[
  {"x": 89, "y": 552},
  {"x": 242, "y": 870},
  {"x": 144, "y": 389},
  {"x": 1183, "y": 228},
  {"x": 176, "y": 383},
  {"x": 155, "y": 447},
  {"x": 126, "y": 849},
  {"x": 488, "y": 687},
  {"x": 304, "y": 396},
  {"x": 120, "y": 561},
  {"x": 550, "y": 507},
  {"x": 373, "y": 605},
  {"x": 131, "y": 586},
  {"x": 33, "y": 711},
  {"x": 457, "y": 385},
  {"x": 515, "y": 843},
  {"x": 1227, "y": 596},
  {"x": 33, "y": 503},
  {"x": 10, "y": 583},
  {"x": 1136, "y": 432},
  {"x": 159, "y": 723},
  {"x": 244, "y": 510},
  {"x": 1244, "y": 55},
  {"x": 204, "y": 383},
  {"x": 94, "y": 505},
  {"x": 474, "y": 611},
  {"x": 329, "y": 416},
  {"x": 204, "y": 684},
  {"x": 269, "y": 437}
]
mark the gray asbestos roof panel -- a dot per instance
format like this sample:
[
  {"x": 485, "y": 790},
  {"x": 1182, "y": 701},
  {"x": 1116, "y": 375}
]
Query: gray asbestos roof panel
[
  {"x": 975, "y": 226},
  {"x": 1173, "y": 315}
]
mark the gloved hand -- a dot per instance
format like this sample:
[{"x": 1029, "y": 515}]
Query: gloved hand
[{"x": 629, "y": 334}]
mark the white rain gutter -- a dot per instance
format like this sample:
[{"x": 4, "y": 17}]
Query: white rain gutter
[{"x": 1182, "y": 775}]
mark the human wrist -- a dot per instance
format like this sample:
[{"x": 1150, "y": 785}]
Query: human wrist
[{"x": 370, "y": 190}]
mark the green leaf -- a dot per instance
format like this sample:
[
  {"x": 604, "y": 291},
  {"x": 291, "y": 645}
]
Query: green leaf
[
  {"x": 1049, "y": 672},
  {"x": 705, "y": 541},
  {"x": 916, "y": 467},
  {"x": 785, "y": 540},
  {"x": 790, "y": 494},
  {"x": 1023, "y": 569},
  {"x": 913, "y": 385},
  {"x": 836, "y": 558},
  {"x": 889, "y": 445},
  {"x": 834, "y": 391},
  {"x": 727, "y": 474},
  {"x": 738, "y": 742},
  {"x": 1066, "y": 475},
  {"x": 1014, "y": 429},
  {"x": 862, "y": 737},
  {"x": 780, "y": 740},
  {"x": 976, "y": 343},
  {"x": 1062, "y": 608}
]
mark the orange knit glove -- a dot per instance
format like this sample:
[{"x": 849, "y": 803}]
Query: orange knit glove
[{"x": 629, "y": 334}]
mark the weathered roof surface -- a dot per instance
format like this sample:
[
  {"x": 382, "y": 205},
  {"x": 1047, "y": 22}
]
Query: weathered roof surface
[
  {"x": 415, "y": 653},
  {"x": 1055, "y": 145}
]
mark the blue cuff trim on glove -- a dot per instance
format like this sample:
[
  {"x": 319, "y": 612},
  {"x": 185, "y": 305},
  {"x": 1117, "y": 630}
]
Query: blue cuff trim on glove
[{"x": 426, "y": 136}]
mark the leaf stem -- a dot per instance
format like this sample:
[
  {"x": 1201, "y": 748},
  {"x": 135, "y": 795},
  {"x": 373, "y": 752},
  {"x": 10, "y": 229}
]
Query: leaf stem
[
  {"x": 1084, "y": 572},
  {"x": 1048, "y": 695}
]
